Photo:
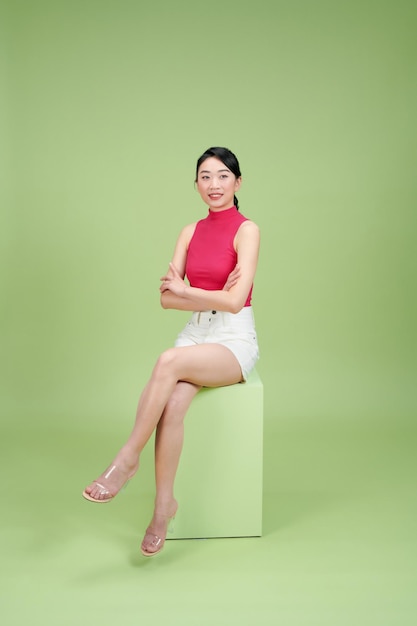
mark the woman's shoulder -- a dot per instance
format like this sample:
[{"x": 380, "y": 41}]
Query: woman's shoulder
[
  {"x": 187, "y": 232},
  {"x": 189, "y": 228},
  {"x": 249, "y": 226}
]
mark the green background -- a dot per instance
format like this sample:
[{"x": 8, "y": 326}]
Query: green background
[{"x": 106, "y": 107}]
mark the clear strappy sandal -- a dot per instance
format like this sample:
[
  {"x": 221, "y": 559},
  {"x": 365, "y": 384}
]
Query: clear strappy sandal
[
  {"x": 154, "y": 541},
  {"x": 102, "y": 493}
]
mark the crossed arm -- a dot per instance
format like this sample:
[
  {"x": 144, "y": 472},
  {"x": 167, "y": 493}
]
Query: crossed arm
[{"x": 177, "y": 294}]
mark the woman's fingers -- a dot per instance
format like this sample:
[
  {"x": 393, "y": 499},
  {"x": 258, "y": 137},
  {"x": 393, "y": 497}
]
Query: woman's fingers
[
  {"x": 174, "y": 270},
  {"x": 232, "y": 278}
]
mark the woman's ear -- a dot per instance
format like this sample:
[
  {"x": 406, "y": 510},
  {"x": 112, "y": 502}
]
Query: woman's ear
[{"x": 238, "y": 183}]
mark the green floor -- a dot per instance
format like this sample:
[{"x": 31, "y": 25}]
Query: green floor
[{"x": 339, "y": 544}]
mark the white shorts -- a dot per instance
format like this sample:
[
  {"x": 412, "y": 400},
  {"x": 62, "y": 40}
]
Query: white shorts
[{"x": 236, "y": 331}]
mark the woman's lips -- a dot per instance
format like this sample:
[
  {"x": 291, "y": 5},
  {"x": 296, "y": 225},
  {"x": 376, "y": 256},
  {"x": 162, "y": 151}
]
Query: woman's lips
[{"x": 215, "y": 196}]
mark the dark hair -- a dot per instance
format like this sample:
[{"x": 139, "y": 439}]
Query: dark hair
[{"x": 227, "y": 158}]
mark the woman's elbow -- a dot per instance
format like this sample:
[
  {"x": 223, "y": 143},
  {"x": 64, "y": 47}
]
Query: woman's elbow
[
  {"x": 235, "y": 306},
  {"x": 236, "y": 302},
  {"x": 164, "y": 301}
]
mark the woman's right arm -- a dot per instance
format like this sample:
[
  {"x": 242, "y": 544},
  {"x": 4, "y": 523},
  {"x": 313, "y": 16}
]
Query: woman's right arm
[{"x": 168, "y": 299}]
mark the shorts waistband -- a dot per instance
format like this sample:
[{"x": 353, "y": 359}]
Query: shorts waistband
[{"x": 206, "y": 318}]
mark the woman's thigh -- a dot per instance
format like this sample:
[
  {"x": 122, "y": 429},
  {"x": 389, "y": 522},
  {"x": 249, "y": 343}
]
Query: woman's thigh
[{"x": 206, "y": 365}]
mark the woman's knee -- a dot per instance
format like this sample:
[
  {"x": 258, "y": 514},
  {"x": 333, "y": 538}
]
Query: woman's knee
[{"x": 166, "y": 361}]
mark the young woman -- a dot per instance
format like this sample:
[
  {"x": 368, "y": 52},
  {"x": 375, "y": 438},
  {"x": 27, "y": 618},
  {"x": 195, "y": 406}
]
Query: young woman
[{"x": 218, "y": 346}]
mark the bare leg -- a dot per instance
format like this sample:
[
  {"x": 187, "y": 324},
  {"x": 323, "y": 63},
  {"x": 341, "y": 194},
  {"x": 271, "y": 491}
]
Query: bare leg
[
  {"x": 169, "y": 440},
  {"x": 168, "y": 446},
  {"x": 210, "y": 365}
]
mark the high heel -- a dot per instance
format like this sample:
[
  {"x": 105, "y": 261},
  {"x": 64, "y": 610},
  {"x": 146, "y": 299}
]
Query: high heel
[
  {"x": 153, "y": 540},
  {"x": 102, "y": 493}
]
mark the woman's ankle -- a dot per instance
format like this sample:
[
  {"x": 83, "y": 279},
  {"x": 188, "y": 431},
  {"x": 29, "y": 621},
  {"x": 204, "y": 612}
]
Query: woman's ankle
[
  {"x": 165, "y": 505},
  {"x": 129, "y": 455}
]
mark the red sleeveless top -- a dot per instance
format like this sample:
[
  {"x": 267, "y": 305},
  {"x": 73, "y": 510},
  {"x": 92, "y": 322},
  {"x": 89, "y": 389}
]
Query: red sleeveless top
[{"x": 211, "y": 255}]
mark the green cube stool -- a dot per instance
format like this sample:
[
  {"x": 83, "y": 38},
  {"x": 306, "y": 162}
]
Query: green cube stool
[{"x": 219, "y": 480}]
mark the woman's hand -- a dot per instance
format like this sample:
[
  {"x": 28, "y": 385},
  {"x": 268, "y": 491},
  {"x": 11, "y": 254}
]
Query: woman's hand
[
  {"x": 232, "y": 278},
  {"x": 173, "y": 282}
]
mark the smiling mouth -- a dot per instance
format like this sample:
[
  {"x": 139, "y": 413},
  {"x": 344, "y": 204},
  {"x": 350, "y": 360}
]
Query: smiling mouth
[{"x": 215, "y": 195}]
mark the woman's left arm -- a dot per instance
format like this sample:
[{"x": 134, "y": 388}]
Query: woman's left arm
[{"x": 232, "y": 300}]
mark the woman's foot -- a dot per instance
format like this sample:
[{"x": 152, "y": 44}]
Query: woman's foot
[
  {"x": 108, "y": 485},
  {"x": 155, "y": 535}
]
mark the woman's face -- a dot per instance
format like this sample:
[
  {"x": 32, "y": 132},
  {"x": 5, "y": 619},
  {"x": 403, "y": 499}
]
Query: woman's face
[{"x": 216, "y": 184}]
